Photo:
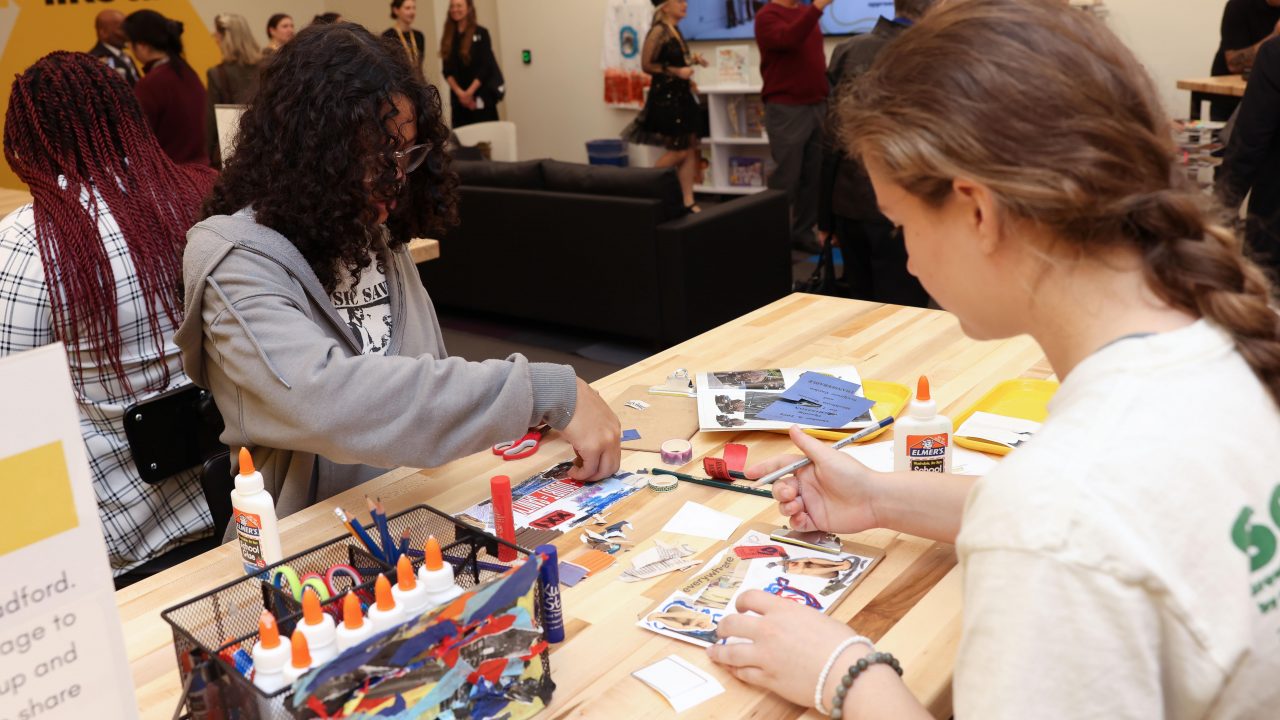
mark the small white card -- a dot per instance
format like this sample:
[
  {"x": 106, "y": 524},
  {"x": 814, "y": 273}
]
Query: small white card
[
  {"x": 999, "y": 429},
  {"x": 682, "y": 683},
  {"x": 702, "y": 521}
]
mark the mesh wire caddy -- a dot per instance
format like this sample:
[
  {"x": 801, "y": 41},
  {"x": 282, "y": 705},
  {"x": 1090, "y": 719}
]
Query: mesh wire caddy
[{"x": 480, "y": 656}]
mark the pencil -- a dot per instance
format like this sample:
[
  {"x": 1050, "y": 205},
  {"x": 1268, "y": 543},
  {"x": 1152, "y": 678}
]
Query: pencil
[
  {"x": 404, "y": 543},
  {"x": 380, "y": 521},
  {"x": 759, "y": 492},
  {"x": 357, "y": 528},
  {"x": 783, "y": 472},
  {"x": 351, "y": 528}
]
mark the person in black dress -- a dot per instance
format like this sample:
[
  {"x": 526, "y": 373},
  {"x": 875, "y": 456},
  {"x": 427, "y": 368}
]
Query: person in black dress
[
  {"x": 404, "y": 12},
  {"x": 671, "y": 116},
  {"x": 475, "y": 80}
]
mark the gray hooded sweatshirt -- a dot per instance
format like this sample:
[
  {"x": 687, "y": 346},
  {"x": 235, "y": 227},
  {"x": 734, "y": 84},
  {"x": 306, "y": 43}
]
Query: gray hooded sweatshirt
[{"x": 262, "y": 334}]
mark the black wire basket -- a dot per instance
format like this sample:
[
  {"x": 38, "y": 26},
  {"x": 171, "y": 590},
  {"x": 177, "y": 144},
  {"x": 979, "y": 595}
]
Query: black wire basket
[{"x": 208, "y": 630}]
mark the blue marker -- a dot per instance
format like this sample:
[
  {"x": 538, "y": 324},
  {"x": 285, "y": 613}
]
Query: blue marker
[{"x": 549, "y": 578}]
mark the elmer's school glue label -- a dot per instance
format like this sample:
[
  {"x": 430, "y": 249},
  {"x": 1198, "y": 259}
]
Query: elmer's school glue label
[
  {"x": 254, "y": 513},
  {"x": 922, "y": 439}
]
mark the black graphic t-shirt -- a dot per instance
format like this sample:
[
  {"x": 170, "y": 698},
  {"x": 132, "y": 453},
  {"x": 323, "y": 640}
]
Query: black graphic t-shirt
[{"x": 365, "y": 305}]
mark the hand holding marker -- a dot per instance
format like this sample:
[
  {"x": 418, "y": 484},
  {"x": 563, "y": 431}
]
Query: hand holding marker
[{"x": 783, "y": 472}]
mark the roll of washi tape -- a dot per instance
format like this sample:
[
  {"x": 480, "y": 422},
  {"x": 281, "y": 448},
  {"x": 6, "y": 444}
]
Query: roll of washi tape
[
  {"x": 676, "y": 452},
  {"x": 662, "y": 483}
]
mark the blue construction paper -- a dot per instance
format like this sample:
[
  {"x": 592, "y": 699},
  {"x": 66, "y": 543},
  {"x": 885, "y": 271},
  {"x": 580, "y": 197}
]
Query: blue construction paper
[
  {"x": 837, "y": 400},
  {"x": 629, "y": 435}
]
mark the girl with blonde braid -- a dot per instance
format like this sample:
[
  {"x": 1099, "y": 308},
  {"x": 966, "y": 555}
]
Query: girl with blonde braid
[{"x": 1123, "y": 563}]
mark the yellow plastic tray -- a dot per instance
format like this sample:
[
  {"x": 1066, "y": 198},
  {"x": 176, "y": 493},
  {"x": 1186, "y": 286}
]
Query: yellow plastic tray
[
  {"x": 890, "y": 398},
  {"x": 1023, "y": 398}
]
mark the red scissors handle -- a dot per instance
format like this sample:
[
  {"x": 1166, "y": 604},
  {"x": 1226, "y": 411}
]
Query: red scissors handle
[{"x": 522, "y": 448}]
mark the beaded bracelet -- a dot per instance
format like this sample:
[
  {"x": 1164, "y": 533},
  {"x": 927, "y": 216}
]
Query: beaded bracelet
[
  {"x": 856, "y": 669},
  {"x": 831, "y": 661}
]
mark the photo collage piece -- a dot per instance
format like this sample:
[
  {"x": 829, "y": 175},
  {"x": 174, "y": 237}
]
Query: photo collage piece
[
  {"x": 551, "y": 500},
  {"x": 813, "y": 578},
  {"x": 733, "y": 399}
]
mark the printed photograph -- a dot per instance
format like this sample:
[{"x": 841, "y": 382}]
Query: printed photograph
[{"x": 748, "y": 380}]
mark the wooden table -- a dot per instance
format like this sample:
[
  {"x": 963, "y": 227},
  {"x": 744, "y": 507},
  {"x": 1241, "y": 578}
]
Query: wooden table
[
  {"x": 910, "y": 604},
  {"x": 423, "y": 249},
  {"x": 1203, "y": 89},
  {"x": 11, "y": 199}
]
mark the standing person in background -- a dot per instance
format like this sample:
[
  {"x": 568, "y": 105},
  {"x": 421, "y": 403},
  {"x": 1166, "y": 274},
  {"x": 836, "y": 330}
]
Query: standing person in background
[
  {"x": 109, "y": 25},
  {"x": 234, "y": 80},
  {"x": 875, "y": 257},
  {"x": 671, "y": 114},
  {"x": 95, "y": 262},
  {"x": 794, "y": 68},
  {"x": 170, "y": 93},
  {"x": 404, "y": 12},
  {"x": 1246, "y": 24},
  {"x": 475, "y": 80},
  {"x": 1251, "y": 163},
  {"x": 279, "y": 31}
]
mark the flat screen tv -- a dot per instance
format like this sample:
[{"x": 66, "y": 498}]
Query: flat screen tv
[{"x": 735, "y": 19}]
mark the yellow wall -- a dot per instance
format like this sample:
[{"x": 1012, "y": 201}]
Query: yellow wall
[{"x": 30, "y": 29}]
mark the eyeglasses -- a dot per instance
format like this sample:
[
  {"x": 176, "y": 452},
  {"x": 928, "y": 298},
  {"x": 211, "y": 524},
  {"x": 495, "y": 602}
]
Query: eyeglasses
[{"x": 411, "y": 157}]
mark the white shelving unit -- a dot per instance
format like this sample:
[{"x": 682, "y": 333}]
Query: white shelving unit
[{"x": 725, "y": 143}]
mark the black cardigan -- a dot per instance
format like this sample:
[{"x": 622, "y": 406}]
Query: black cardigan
[{"x": 1252, "y": 159}]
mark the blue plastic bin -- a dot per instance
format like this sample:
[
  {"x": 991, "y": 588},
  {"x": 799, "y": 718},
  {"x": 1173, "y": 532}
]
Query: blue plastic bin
[{"x": 607, "y": 152}]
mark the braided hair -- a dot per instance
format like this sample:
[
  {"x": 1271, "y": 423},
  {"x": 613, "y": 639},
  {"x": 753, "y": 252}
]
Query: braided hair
[
  {"x": 1046, "y": 107},
  {"x": 74, "y": 128}
]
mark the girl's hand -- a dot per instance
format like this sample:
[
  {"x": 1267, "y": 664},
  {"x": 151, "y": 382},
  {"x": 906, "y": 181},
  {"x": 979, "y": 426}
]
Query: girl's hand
[{"x": 835, "y": 493}]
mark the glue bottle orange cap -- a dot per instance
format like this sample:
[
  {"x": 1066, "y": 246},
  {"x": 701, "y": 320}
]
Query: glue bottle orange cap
[
  {"x": 352, "y": 615},
  {"x": 382, "y": 591},
  {"x": 432, "y": 557},
  {"x": 301, "y": 653},
  {"x": 246, "y": 461},
  {"x": 311, "y": 612},
  {"x": 268, "y": 632},
  {"x": 922, "y": 389},
  {"x": 404, "y": 574}
]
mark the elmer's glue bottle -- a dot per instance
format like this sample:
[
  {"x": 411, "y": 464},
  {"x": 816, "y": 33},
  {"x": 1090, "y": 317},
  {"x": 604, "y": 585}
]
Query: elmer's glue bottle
[
  {"x": 411, "y": 597},
  {"x": 299, "y": 660},
  {"x": 922, "y": 439},
  {"x": 436, "y": 575},
  {"x": 254, "y": 514},
  {"x": 269, "y": 655},
  {"x": 318, "y": 627},
  {"x": 384, "y": 614},
  {"x": 353, "y": 630}
]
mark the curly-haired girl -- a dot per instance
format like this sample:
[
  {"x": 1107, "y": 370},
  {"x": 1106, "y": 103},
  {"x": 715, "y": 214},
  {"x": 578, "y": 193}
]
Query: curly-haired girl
[
  {"x": 1121, "y": 564},
  {"x": 305, "y": 314}
]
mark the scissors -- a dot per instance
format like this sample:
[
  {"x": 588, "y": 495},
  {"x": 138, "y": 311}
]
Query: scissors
[{"x": 524, "y": 447}]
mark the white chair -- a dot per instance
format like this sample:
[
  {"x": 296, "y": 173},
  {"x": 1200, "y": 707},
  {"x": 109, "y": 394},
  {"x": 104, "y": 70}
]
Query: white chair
[
  {"x": 501, "y": 137},
  {"x": 227, "y": 119}
]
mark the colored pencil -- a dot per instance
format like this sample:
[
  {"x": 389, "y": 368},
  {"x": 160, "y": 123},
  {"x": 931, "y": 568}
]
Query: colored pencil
[
  {"x": 721, "y": 484},
  {"x": 783, "y": 472},
  {"x": 404, "y": 543},
  {"x": 380, "y": 521},
  {"x": 369, "y": 544},
  {"x": 346, "y": 523}
]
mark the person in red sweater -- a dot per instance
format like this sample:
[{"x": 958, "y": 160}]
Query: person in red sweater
[
  {"x": 171, "y": 94},
  {"x": 794, "y": 68}
]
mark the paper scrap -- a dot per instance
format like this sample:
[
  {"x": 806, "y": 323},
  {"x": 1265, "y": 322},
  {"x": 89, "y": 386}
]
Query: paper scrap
[
  {"x": 879, "y": 457},
  {"x": 682, "y": 683},
  {"x": 702, "y": 521},
  {"x": 659, "y": 560},
  {"x": 818, "y": 400},
  {"x": 999, "y": 429},
  {"x": 637, "y": 405},
  {"x": 571, "y": 574},
  {"x": 629, "y": 435}
]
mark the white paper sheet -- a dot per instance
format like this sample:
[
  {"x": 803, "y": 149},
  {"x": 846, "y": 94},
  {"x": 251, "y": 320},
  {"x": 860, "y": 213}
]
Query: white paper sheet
[
  {"x": 682, "y": 683},
  {"x": 702, "y": 521},
  {"x": 1001, "y": 429},
  {"x": 879, "y": 457}
]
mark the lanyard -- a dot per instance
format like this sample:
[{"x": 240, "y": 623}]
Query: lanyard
[{"x": 410, "y": 46}]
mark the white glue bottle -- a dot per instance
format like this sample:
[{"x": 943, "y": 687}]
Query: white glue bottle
[
  {"x": 436, "y": 575},
  {"x": 254, "y": 513},
  {"x": 300, "y": 659},
  {"x": 270, "y": 655},
  {"x": 318, "y": 627},
  {"x": 922, "y": 439}
]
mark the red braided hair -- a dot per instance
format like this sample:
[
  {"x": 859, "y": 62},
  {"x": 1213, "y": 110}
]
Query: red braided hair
[{"x": 74, "y": 127}]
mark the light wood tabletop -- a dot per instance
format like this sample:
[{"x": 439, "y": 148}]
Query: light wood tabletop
[
  {"x": 1233, "y": 85},
  {"x": 424, "y": 249},
  {"x": 909, "y": 604}
]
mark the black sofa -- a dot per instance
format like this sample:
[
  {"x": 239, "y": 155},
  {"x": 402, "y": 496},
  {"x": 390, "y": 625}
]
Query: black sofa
[{"x": 607, "y": 250}]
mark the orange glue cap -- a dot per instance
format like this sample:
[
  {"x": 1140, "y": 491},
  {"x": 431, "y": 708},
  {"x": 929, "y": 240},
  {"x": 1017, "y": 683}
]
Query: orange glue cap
[
  {"x": 246, "y": 462},
  {"x": 433, "y": 558},
  {"x": 311, "y": 613},
  {"x": 922, "y": 389},
  {"x": 404, "y": 574},
  {"x": 382, "y": 591},
  {"x": 301, "y": 653},
  {"x": 268, "y": 633},
  {"x": 352, "y": 617}
]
